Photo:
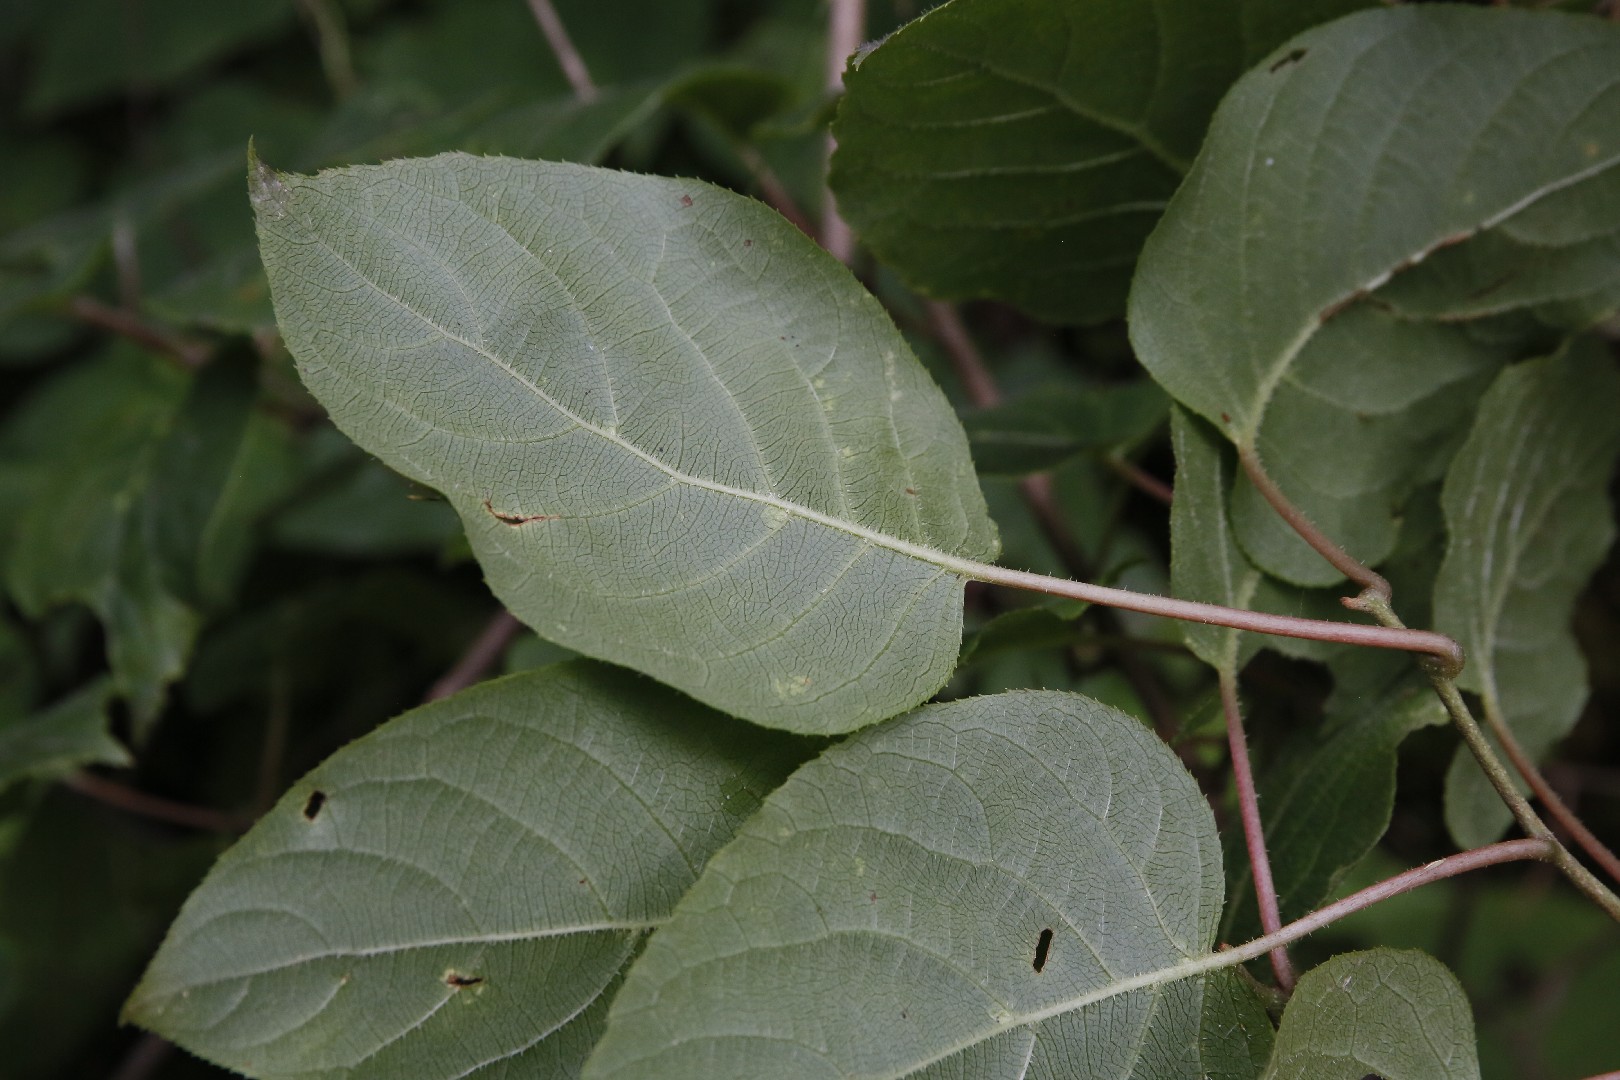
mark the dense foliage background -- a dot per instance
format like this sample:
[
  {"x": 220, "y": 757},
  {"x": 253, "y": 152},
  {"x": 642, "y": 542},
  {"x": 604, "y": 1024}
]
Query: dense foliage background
[{"x": 204, "y": 589}]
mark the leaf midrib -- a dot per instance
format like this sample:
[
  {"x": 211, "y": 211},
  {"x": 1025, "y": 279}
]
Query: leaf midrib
[
  {"x": 1248, "y": 435},
  {"x": 963, "y": 567}
]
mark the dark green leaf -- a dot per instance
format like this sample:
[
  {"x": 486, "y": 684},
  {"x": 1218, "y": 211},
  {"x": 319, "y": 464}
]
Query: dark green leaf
[
  {"x": 1304, "y": 202},
  {"x": 1022, "y": 149},
  {"x": 1528, "y": 522},
  {"x": 1043, "y": 428},
  {"x": 57, "y": 740}
]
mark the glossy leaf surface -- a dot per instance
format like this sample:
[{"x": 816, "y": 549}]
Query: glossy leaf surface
[
  {"x": 679, "y": 435},
  {"x": 459, "y": 890}
]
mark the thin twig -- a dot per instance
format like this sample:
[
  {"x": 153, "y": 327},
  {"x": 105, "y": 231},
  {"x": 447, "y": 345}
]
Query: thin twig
[
  {"x": 1445, "y": 651},
  {"x": 125, "y": 323},
  {"x": 152, "y": 806},
  {"x": 274, "y": 748},
  {"x": 846, "y": 27},
  {"x": 481, "y": 655},
  {"x": 1445, "y": 686},
  {"x": 771, "y": 189},
  {"x": 126, "y": 263},
  {"x": 1254, "y": 834},
  {"x": 1555, "y": 806},
  {"x": 149, "y": 1052},
  {"x": 1342, "y": 561},
  {"x": 980, "y": 386},
  {"x": 562, "y": 47},
  {"x": 332, "y": 42},
  {"x": 1140, "y": 479}
]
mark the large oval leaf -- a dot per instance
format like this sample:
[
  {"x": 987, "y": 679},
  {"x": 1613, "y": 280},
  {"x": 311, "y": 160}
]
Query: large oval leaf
[
  {"x": 980, "y": 885},
  {"x": 680, "y": 436},
  {"x": 1306, "y": 200},
  {"x": 1022, "y": 149},
  {"x": 460, "y": 888}
]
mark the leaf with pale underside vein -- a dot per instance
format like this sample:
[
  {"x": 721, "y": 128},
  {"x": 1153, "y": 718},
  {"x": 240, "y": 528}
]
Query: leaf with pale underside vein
[
  {"x": 457, "y": 893},
  {"x": 1528, "y": 523},
  {"x": 679, "y": 435},
  {"x": 1022, "y": 149},
  {"x": 1392, "y": 1013},
  {"x": 883, "y": 914},
  {"x": 1304, "y": 201}
]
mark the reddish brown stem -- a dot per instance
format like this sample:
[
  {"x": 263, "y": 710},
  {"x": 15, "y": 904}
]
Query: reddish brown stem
[
  {"x": 144, "y": 1058},
  {"x": 982, "y": 390},
  {"x": 1450, "y": 866},
  {"x": 1555, "y": 806},
  {"x": 1320, "y": 542},
  {"x": 152, "y": 806},
  {"x": 845, "y": 28},
  {"x": 1254, "y": 834},
  {"x": 773, "y": 192},
  {"x": 1140, "y": 479},
  {"x": 562, "y": 47},
  {"x": 125, "y": 323},
  {"x": 480, "y": 657}
]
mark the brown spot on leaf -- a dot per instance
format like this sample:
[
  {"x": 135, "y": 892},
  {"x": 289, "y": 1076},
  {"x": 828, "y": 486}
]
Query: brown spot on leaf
[
  {"x": 312, "y": 806},
  {"x": 458, "y": 980},
  {"x": 1293, "y": 57},
  {"x": 516, "y": 519},
  {"x": 686, "y": 200},
  {"x": 748, "y": 243},
  {"x": 911, "y": 491}
]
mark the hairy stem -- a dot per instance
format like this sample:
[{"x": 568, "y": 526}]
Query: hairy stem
[
  {"x": 1549, "y": 799},
  {"x": 1450, "y": 866},
  {"x": 480, "y": 656},
  {"x": 1447, "y": 653},
  {"x": 1342, "y": 561},
  {"x": 1446, "y": 687},
  {"x": 1254, "y": 834},
  {"x": 845, "y": 27},
  {"x": 562, "y": 47},
  {"x": 982, "y": 390}
]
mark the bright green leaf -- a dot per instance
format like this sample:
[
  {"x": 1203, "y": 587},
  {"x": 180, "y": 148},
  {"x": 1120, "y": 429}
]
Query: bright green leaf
[
  {"x": 679, "y": 436},
  {"x": 1304, "y": 201},
  {"x": 1390, "y": 1013},
  {"x": 1022, "y": 149},
  {"x": 883, "y": 915},
  {"x": 61, "y": 738},
  {"x": 1528, "y": 522},
  {"x": 461, "y": 888}
]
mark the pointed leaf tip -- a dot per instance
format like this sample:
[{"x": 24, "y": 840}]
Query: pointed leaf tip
[{"x": 265, "y": 190}]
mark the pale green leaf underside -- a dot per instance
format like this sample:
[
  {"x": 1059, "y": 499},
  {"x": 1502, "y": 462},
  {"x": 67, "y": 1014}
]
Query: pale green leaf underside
[
  {"x": 1528, "y": 524},
  {"x": 1304, "y": 200},
  {"x": 680, "y": 436},
  {"x": 1022, "y": 149},
  {"x": 517, "y": 838},
  {"x": 881, "y": 915},
  {"x": 1391, "y": 1013}
]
